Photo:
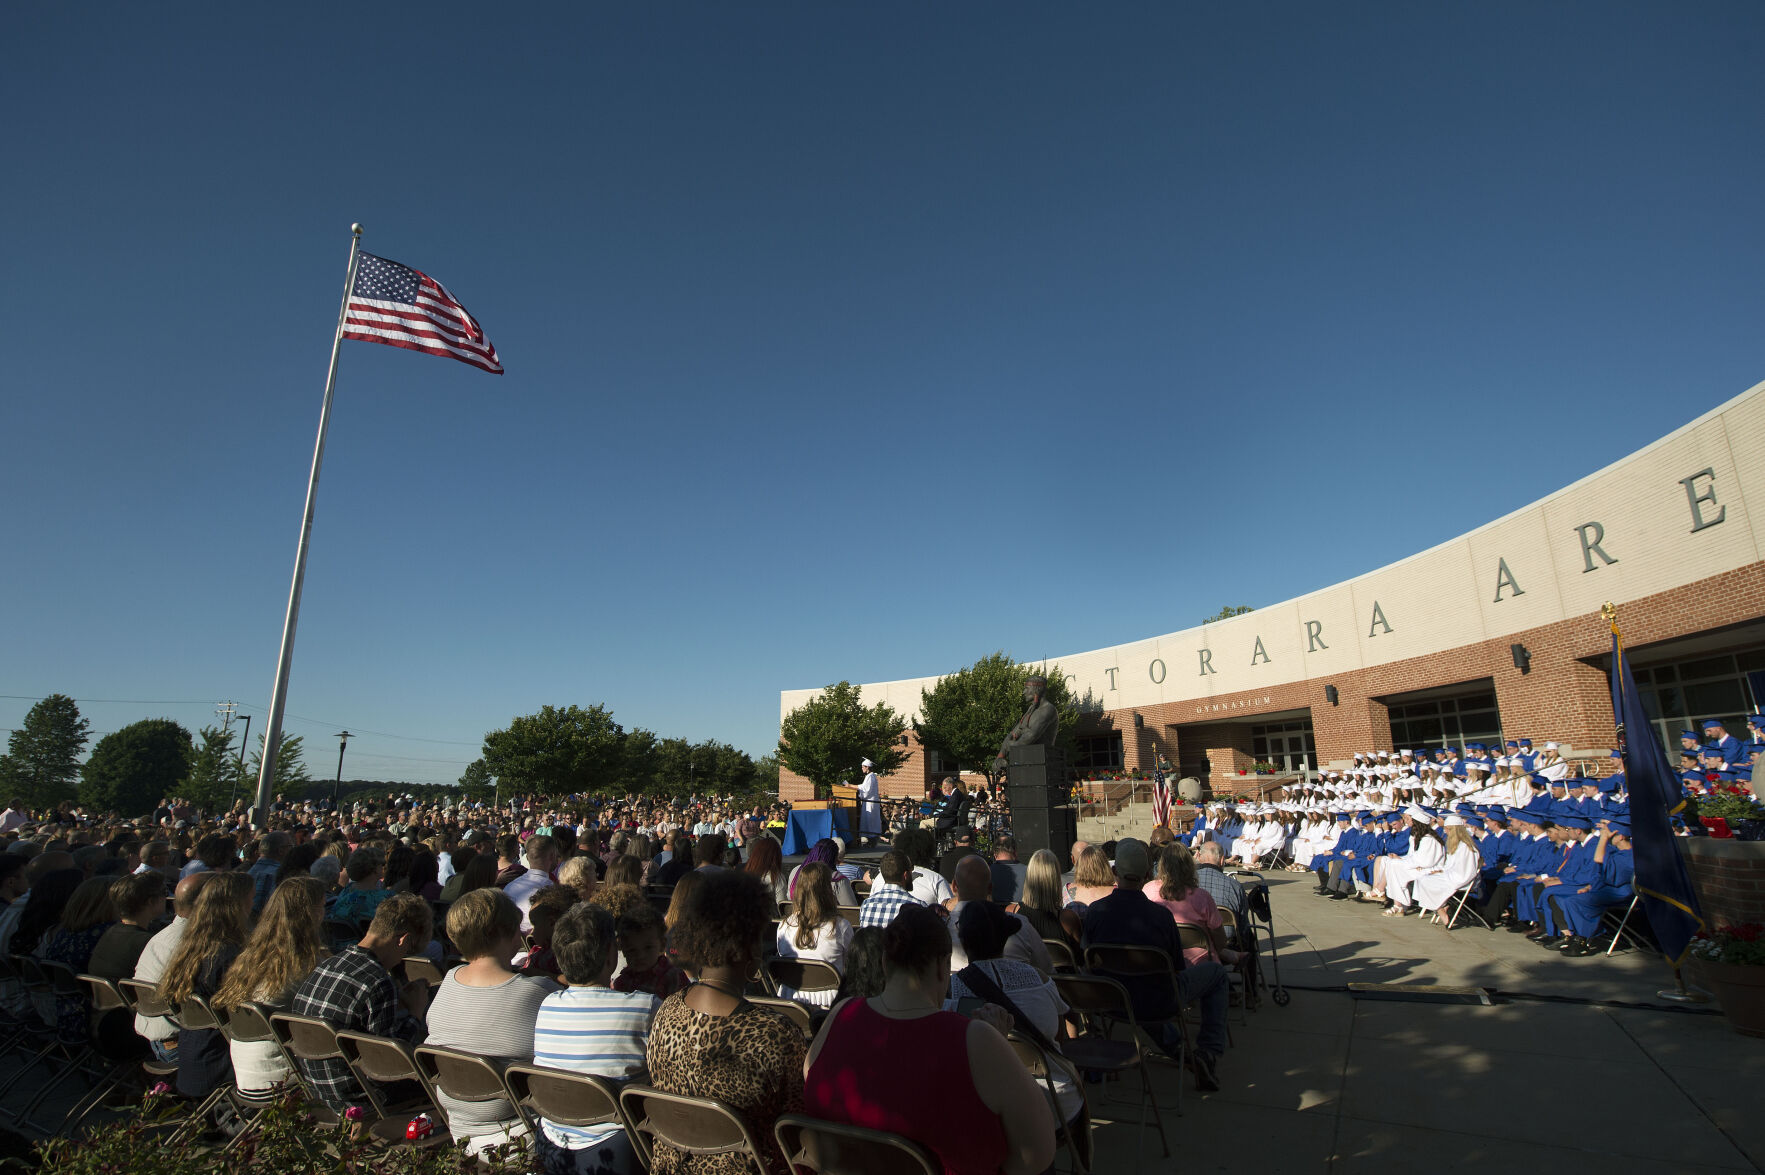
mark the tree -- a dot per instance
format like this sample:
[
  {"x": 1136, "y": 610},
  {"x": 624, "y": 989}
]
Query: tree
[
  {"x": 967, "y": 714},
  {"x": 559, "y": 751},
  {"x": 131, "y": 769},
  {"x": 291, "y": 772},
  {"x": 1229, "y": 611},
  {"x": 825, "y": 738},
  {"x": 214, "y": 773},
  {"x": 766, "y": 774},
  {"x": 476, "y": 780},
  {"x": 42, "y": 763}
]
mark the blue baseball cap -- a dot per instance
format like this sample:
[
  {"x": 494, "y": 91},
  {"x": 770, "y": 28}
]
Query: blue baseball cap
[
  {"x": 1711, "y": 722},
  {"x": 1568, "y": 821}
]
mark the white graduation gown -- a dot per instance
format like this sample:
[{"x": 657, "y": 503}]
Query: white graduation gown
[
  {"x": 870, "y": 806},
  {"x": 1432, "y": 889}
]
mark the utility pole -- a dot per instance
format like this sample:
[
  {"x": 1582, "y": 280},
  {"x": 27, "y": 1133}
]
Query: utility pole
[
  {"x": 342, "y": 744},
  {"x": 225, "y": 711}
]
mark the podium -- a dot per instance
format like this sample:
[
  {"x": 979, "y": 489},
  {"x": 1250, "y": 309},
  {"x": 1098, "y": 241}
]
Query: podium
[
  {"x": 1042, "y": 815},
  {"x": 812, "y": 820}
]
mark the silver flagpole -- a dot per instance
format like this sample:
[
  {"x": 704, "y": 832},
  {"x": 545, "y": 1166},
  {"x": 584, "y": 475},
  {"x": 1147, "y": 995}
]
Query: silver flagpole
[{"x": 279, "y": 692}]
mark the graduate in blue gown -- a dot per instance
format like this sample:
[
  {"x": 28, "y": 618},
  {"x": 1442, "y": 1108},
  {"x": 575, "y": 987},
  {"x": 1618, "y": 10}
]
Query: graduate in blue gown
[{"x": 1579, "y": 910}]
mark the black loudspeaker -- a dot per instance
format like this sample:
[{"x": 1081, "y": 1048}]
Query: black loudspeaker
[
  {"x": 1053, "y": 829},
  {"x": 1331, "y": 696},
  {"x": 1522, "y": 658}
]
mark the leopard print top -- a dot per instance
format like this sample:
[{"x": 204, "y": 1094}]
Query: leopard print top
[{"x": 751, "y": 1060}]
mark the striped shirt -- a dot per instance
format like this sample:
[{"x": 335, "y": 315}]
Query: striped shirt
[{"x": 593, "y": 1030}]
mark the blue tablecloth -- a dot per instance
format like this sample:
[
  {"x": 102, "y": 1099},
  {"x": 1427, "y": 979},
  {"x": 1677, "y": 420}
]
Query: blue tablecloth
[{"x": 803, "y": 829}]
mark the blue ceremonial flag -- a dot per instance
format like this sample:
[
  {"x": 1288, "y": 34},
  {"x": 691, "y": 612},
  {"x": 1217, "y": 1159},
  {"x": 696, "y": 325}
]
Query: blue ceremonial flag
[{"x": 1655, "y": 796}]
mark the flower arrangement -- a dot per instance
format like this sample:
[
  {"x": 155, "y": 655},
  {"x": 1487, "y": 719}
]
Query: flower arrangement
[
  {"x": 1732, "y": 803},
  {"x": 1742, "y": 945}
]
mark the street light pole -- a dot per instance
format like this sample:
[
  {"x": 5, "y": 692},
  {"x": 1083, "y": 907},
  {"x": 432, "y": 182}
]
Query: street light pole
[
  {"x": 244, "y": 741},
  {"x": 342, "y": 744}
]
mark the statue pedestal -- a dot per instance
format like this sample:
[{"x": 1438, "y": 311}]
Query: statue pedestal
[{"x": 1042, "y": 816}]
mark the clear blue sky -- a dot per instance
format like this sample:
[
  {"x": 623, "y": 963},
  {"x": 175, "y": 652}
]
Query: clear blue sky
[{"x": 843, "y": 341}]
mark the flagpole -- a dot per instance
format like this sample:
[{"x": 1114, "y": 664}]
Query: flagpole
[{"x": 278, "y": 693}]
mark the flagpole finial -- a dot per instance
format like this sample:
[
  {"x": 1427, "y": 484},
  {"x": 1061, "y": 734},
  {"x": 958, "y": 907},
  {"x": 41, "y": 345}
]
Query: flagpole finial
[
  {"x": 1609, "y": 612},
  {"x": 356, "y": 229}
]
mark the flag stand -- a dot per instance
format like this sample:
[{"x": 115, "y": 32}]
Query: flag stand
[
  {"x": 278, "y": 694},
  {"x": 1680, "y": 993}
]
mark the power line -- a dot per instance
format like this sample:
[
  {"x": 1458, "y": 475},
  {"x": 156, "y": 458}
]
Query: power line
[{"x": 411, "y": 738}]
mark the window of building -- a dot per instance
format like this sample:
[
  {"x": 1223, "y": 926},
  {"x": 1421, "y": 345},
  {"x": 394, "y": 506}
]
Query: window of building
[
  {"x": 1287, "y": 745},
  {"x": 1449, "y": 721},
  {"x": 1683, "y": 695},
  {"x": 1102, "y": 752}
]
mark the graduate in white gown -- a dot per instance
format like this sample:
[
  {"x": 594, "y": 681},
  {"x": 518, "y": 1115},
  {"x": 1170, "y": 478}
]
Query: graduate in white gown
[
  {"x": 1427, "y": 852},
  {"x": 1434, "y": 888}
]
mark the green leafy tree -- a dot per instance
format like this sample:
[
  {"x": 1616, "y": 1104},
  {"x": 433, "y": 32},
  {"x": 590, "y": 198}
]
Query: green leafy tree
[
  {"x": 291, "y": 770},
  {"x": 1229, "y": 611},
  {"x": 42, "y": 763},
  {"x": 214, "y": 773},
  {"x": 967, "y": 714},
  {"x": 825, "y": 738},
  {"x": 559, "y": 751},
  {"x": 766, "y": 774},
  {"x": 132, "y": 768},
  {"x": 476, "y": 780}
]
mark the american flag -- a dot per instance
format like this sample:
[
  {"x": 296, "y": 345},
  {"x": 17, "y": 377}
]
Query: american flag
[
  {"x": 404, "y": 307},
  {"x": 1161, "y": 797}
]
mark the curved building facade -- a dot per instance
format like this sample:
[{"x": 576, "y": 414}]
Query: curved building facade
[{"x": 1490, "y": 636}]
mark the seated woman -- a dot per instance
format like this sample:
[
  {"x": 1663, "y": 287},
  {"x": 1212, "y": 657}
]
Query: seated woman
[
  {"x": 1434, "y": 887},
  {"x": 1427, "y": 852},
  {"x": 284, "y": 948},
  {"x": 815, "y": 930},
  {"x": 765, "y": 861},
  {"x": 825, "y": 851},
  {"x": 869, "y": 1066},
  {"x": 87, "y": 917},
  {"x": 1031, "y": 1000},
  {"x": 486, "y": 1008},
  {"x": 590, "y": 1028},
  {"x": 709, "y": 1041},
  {"x": 214, "y": 936},
  {"x": 364, "y": 893},
  {"x": 1092, "y": 879},
  {"x": 1044, "y": 899},
  {"x": 1178, "y": 889}
]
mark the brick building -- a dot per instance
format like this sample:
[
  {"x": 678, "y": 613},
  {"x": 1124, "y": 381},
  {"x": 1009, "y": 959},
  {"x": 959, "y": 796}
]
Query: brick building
[{"x": 1493, "y": 635}]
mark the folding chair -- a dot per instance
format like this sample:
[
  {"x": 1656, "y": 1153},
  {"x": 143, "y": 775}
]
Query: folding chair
[
  {"x": 1623, "y": 928},
  {"x": 563, "y": 1097},
  {"x": 1189, "y": 935},
  {"x": 791, "y": 1010},
  {"x": 1105, "y": 1000},
  {"x": 384, "y": 1061},
  {"x": 63, "y": 1057},
  {"x": 697, "y": 1126},
  {"x": 423, "y": 967},
  {"x": 59, "y": 982},
  {"x": 310, "y": 1039},
  {"x": 250, "y": 1024},
  {"x": 799, "y": 975},
  {"x": 1043, "y": 1066},
  {"x": 1464, "y": 905},
  {"x": 114, "y": 1040},
  {"x": 851, "y": 914},
  {"x": 1060, "y": 951},
  {"x": 1142, "y": 962},
  {"x": 339, "y": 933},
  {"x": 16, "y": 1030},
  {"x": 830, "y": 1148},
  {"x": 465, "y": 1077}
]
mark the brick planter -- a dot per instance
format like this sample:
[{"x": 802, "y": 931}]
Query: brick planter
[{"x": 1729, "y": 877}]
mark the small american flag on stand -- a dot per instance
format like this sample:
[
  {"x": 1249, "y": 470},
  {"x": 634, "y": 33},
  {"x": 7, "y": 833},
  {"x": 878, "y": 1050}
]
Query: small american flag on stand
[
  {"x": 1161, "y": 797},
  {"x": 404, "y": 307}
]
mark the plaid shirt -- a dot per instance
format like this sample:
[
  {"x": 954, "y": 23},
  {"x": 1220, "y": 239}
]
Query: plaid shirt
[
  {"x": 349, "y": 990},
  {"x": 1227, "y": 894},
  {"x": 884, "y": 902}
]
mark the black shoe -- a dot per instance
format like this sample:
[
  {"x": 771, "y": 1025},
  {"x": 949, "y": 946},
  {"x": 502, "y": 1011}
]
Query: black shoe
[
  {"x": 1551, "y": 942},
  {"x": 1321, "y": 890},
  {"x": 1207, "y": 1079},
  {"x": 1339, "y": 897},
  {"x": 1576, "y": 947}
]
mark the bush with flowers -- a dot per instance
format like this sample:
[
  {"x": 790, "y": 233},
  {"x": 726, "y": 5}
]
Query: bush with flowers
[
  {"x": 283, "y": 1139},
  {"x": 1742, "y": 945}
]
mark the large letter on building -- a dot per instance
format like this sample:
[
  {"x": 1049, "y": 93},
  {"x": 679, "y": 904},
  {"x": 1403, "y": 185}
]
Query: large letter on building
[
  {"x": 1698, "y": 521},
  {"x": 1505, "y": 579}
]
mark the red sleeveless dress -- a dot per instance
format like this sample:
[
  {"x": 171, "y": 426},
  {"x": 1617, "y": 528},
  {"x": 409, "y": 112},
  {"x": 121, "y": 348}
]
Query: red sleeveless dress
[{"x": 909, "y": 1077}]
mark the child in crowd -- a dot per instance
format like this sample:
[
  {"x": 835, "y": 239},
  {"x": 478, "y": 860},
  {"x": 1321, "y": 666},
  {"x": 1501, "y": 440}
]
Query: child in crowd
[
  {"x": 647, "y": 965},
  {"x": 549, "y": 905},
  {"x": 363, "y": 895}
]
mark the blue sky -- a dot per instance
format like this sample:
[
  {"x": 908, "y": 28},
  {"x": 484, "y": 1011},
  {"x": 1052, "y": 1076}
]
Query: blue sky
[{"x": 842, "y": 341}]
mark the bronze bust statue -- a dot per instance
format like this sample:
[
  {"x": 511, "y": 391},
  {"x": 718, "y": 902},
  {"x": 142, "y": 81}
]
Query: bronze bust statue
[{"x": 1039, "y": 726}]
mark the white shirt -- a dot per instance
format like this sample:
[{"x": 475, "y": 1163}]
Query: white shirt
[
  {"x": 831, "y": 940},
  {"x": 929, "y": 887},
  {"x": 150, "y": 967},
  {"x": 521, "y": 891}
]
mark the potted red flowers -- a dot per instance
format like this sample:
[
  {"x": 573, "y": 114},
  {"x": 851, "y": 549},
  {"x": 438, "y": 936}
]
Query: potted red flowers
[{"x": 1730, "y": 961}]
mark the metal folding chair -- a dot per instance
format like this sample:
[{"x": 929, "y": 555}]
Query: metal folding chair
[
  {"x": 799, "y": 975},
  {"x": 1104, "y": 1002},
  {"x": 1061, "y": 953},
  {"x": 1043, "y": 1066},
  {"x": 384, "y": 1061},
  {"x": 695, "y": 1126},
  {"x": 563, "y": 1097},
  {"x": 1622, "y": 930},
  {"x": 464, "y": 1077},
  {"x": 1464, "y": 905},
  {"x": 791, "y": 1010},
  {"x": 831, "y": 1148}
]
